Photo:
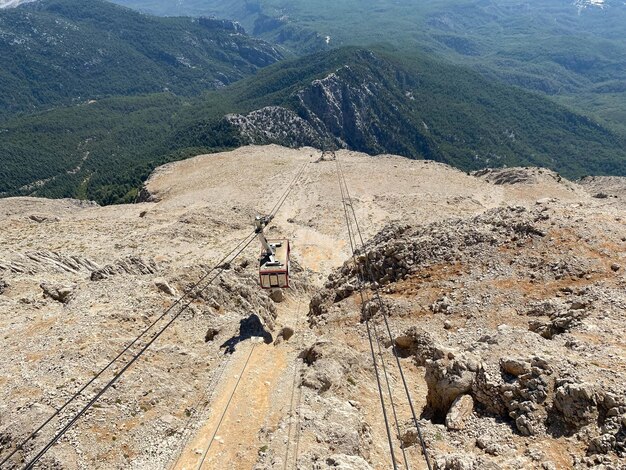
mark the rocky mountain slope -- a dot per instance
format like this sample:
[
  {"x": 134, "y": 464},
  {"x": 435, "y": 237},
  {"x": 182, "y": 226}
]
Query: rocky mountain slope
[
  {"x": 572, "y": 49},
  {"x": 373, "y": 101},
  {"x": 12, "y": 3},
  {"x": 376, "y": 102},
  {"x": 504, "y": 291},
  {"x": 71, "y": 51}
]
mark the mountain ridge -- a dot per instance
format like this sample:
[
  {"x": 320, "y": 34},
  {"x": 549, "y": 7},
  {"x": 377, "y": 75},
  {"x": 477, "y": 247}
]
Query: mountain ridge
[
  {"x": 379, "y": 103},
  {"x": 572, "y": 51},
  {"x": 58, "y": 52}
]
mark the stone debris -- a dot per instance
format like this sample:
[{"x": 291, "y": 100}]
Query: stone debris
[{"x": 165, "y": 287}]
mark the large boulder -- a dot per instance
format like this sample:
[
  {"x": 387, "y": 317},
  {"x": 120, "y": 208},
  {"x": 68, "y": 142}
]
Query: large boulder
[
  {"x": 59, "y": 292},
  {"x": 447, "y": 379},
  {"x": 577, "y": 403},
  {"x": 460, "y": 412},
  {"x": 330, "y": 365}
]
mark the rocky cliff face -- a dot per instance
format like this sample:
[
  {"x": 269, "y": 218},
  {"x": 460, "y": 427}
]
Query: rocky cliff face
[
  {"x": 349, "y": 108},
  {"x": 278, "y": 124}
]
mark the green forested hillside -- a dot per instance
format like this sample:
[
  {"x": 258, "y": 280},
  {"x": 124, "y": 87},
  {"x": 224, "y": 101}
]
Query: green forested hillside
[
  {"x": 414, "y": 106},
  {"x": 70, "y": 51},
  {"x": 571, "y": 49}
]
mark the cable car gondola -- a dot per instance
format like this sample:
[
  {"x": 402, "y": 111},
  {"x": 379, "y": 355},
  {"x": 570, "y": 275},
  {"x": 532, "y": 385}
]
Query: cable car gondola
[{"x": 274, "y": 259}]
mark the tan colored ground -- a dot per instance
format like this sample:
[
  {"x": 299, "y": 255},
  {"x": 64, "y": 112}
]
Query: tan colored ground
[{"x": 205, "y": 205}]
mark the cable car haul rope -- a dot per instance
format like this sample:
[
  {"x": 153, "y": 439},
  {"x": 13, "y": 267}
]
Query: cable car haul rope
[
  {"x": 365, "y": 274},
  {"x": 135, "y": 349},
  {"x": 273, "y": 273}
]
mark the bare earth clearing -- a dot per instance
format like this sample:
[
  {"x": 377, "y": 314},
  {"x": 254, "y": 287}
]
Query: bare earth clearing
[{"x": 514, "y": 298}]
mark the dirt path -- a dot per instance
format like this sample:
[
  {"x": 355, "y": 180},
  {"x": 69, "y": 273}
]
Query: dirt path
[
  {"x": 257, "y": 392},
  {"x": 253, "y": 395}
]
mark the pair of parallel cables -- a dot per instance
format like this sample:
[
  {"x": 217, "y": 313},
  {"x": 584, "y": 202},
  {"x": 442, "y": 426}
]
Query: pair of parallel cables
[
  {"x": 173, "y": 312},
  {"x": 365, "y": 274}
]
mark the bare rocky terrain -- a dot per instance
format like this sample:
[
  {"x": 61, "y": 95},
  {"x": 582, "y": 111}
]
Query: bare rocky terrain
[{"x": 504, "y": 291}]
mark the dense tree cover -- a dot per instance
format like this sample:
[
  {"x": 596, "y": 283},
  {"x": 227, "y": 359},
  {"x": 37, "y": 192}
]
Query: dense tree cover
[
  {"x": 71, "y": 51},
  {"x": 422, "y": 108},
  {"x": 551, "y": 46}
]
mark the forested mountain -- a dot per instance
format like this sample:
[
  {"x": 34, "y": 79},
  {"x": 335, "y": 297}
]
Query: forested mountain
[
  {"x": 70, "y": 51},
  {"x": 574, "y": 50},
  {"x": 375, "y": 101}
]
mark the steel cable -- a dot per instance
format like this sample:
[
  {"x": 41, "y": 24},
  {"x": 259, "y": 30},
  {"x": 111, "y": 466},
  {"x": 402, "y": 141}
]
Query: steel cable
[
  {"x": 369, "y": 335},
  {"x": 220, "y": 265},
  {"x": 384, "y": 315}
]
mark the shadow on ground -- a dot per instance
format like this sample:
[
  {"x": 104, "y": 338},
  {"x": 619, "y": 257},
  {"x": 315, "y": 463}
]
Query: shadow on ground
[{"x": 248, "y": 327}]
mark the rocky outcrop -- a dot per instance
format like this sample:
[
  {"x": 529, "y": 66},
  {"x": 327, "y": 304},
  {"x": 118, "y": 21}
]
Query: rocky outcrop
[
  {"x": 329, "y": 366},
  {"x": 399, "y": 251},
  {"x": 212, "y": 23},
  {"x": 34, "y": 262},
  {"x": 146, "y": 196},
  {"x": 562, "y": 316},
  {"x": 275, "y": 124},
  {"x": 349, "y": 108},
  {"x": 419, "y": 344},
  {"x": 447, "y": 379},
  {"x": 511, "y": 176},
  {"x": 132, "y": 265},
  {"x": 577, "y": 403},
  {"x": 455, "y": 286}
]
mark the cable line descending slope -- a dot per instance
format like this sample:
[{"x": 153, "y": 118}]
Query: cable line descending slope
[
  {"x": 353, "y": 232},
  {"x": 189, "y": 296}
]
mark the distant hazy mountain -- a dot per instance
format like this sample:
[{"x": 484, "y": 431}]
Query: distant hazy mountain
[
  {"x": 62, "y": 51},
  {"x": 572, "y": 49}
]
